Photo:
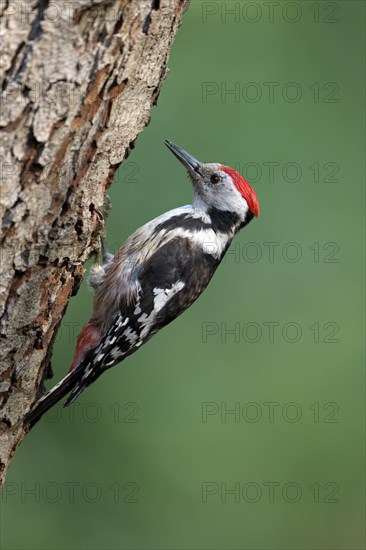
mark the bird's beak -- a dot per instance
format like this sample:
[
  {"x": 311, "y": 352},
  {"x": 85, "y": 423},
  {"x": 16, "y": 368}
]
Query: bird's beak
[{"x": 192, "y": 164}]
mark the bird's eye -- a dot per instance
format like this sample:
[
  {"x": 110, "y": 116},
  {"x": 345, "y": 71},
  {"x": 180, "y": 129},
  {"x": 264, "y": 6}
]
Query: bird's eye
[{"x": 215, "y": 178}]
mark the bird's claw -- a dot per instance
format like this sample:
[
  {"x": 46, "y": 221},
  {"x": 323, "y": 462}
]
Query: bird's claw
[{"x": 102, "y": 216}]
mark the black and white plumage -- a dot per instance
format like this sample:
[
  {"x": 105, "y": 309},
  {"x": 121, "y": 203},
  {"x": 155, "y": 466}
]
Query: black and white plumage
[{"x": 157, "y": 274}]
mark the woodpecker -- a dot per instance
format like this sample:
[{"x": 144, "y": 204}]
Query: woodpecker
[{"x": 157, "y": 274}]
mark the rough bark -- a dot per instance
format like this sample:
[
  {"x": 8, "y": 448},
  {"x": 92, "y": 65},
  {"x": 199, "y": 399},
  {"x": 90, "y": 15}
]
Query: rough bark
[{"x": 78, "y": 80}]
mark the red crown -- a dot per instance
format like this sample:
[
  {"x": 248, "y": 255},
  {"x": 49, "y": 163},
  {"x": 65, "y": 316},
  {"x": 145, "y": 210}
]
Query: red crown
[{"x": 244, "y": 188}]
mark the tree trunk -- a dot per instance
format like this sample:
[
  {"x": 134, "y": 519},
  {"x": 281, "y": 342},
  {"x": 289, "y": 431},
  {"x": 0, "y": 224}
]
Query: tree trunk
[{"x": 78, "y": 79}]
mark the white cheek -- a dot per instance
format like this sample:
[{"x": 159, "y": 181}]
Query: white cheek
[{"x": 225, "y": 196}]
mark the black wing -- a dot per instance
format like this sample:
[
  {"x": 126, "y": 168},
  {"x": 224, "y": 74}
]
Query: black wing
[{"x": 170, "y": 281}]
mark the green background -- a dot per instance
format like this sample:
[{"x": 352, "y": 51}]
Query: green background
[{"x": 150, "y": 468}]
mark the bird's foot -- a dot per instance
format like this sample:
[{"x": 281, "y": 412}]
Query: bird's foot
[{"x": 102, "y": 216}]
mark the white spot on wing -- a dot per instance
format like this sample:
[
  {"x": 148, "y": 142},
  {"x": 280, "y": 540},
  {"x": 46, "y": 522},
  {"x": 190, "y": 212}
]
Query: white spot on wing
[
  {"x": 116, "y": 353},
  {"x": 130, "y": 335},
  {"x": 162, "y": 297}
]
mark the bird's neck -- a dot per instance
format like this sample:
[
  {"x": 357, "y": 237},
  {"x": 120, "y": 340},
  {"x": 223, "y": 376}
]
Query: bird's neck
[{"x": 221, "y": 221}]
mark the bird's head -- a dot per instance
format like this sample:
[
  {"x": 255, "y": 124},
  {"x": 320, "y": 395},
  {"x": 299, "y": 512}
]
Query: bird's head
[{"x": 218, "y": 186}]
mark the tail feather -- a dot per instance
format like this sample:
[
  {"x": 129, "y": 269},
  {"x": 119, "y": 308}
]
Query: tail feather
[
  {"x": 53, "y": 396},
  {"x": 87, "y": 377}
]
